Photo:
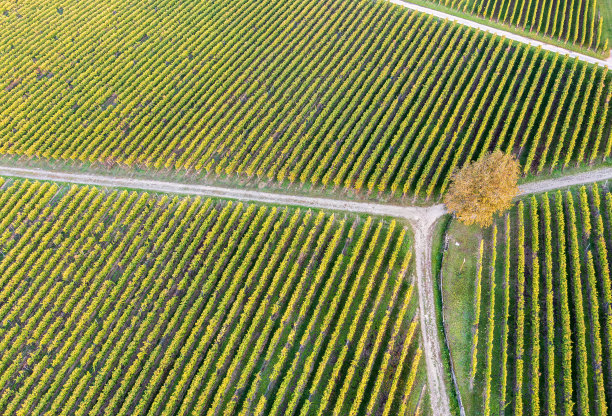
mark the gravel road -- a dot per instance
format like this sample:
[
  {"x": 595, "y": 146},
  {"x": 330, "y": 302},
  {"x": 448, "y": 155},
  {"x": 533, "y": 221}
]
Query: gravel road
[
  {"x": 422, "y": 220},
  {"x": 565, "y": 181},
  {"x": 504, "y": 33}
]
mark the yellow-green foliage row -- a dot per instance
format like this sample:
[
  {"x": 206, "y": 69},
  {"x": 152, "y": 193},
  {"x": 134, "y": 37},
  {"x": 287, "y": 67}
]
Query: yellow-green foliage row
[
  {"x": 357, "y": 94},
  {"x": 129, "y": 303},
  {"x": 551, "y": 316},
  {"x": 576, "y": 21}
]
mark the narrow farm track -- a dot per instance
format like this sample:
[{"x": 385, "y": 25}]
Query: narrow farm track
[
  {"x": 509, "y": 35},
  {"x": 421, "y": 218},
  {"x": 569, "y": 180}
]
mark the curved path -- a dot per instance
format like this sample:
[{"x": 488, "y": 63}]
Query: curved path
[
  {"x": 422, "y": 220},
  {"x": 506, "y": 34}
]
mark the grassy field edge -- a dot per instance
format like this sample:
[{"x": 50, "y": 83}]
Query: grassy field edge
[{"x": 438, "y": 249}]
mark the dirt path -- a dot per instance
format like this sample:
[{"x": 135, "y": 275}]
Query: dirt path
[
  {"x": 565, "y": 181},
  {"x": 500, "y": 32},
  {"x": 423, "y": 240},
  {"x": 422, "y": 220},
  {"x": 409, "y": 213}
]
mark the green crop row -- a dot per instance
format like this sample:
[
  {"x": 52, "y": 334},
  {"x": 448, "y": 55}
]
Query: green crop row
[
  {"x": 125, "y": 303},
  {"x": 575, "y": 21},
  {"x": 360, "y": 95},
  {"x": 554, "y": 284}
]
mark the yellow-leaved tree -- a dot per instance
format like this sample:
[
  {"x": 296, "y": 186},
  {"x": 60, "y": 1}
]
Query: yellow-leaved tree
[{"x": 483, "y": 188}]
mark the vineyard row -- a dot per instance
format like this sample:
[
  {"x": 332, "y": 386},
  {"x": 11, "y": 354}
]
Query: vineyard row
[
  {"x": 547, "y": 294},
  {"x": 360, "y": 95},
  {"x": 126, "y": 303},
  {"x": 575, "y": 21}
]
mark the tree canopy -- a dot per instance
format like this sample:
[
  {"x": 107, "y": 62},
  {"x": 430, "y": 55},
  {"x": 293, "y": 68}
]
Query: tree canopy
[{"x": 483, "y": 188}]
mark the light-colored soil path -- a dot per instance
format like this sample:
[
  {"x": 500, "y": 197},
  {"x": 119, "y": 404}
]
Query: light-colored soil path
[
  {"x": 422, "y": 220},
  {"x": 409, "y": 213},
  {"x": 436, "y": 375},
  {"x": 504, "y": 33},
  {"x": 596, "y": 175}
]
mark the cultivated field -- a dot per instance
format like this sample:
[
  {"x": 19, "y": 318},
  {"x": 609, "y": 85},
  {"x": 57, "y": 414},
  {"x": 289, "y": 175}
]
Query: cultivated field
[
  {"x": 353, "y": 94},
  {"x": 129, "y": 303},
  {"x": 535, "y": 332},
  {"x": 579, "y": 22},
  {"x": 119, "y": 297}
]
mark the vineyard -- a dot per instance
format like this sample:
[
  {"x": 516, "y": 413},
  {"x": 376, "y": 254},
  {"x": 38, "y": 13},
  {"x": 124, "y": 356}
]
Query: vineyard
[
  {"x": 580, "y": 22},
  {"x": 541, "y": 321},
  {"x": 360, "y": 95},
  {"x": 130, "y": 303}
]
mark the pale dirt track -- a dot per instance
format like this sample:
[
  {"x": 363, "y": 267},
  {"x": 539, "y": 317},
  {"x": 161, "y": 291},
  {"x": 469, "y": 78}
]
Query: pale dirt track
[
  {"x": 569, "y": 180},
  {"x": 508, "y": 35},
  {"x": 422, "y": 220}
]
